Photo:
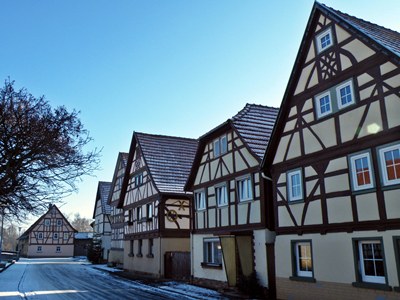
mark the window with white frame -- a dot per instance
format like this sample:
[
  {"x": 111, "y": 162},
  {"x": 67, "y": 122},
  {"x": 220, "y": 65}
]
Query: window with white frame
[
  {"x": 371, "y": 261},
  {"x": 200, "y": 199},
  {"x": 361, "y": 171},
  {"x": 138, "y": 179},
  {"x": 303, "y": 259},
  {"x": 138, "y": 213},
  {"x": 324, "y": 40},
  {"x": 40, "y": 235},
  {"x": 46, "y": 222},
  {"x": 149, "y": 210},
  {"x": 55, "y": 235},
  {"x": 389, "y": 157},
  {"x": 345, "y": 95},
  {"x": 221, "y": 195},
  {"x": 244, "y": 188},
  {"x": 220, "y": 146},
  {"x": 59, "y": 222},
  {"x": 295, "y": 185},
  {"x": 66, "y": 235},
  {"x": 323, "y": 103},
  {"x": 212, "y": 251}
]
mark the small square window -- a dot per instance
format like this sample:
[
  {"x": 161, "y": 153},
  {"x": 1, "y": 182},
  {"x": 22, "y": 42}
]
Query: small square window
[
  {"x": 324, "y": 104},
  {"x": 324, "y": 40},
  {"x": 302, "y": 257},
  {"x": 66, "y": 235},
  {"x": 55, "y": 236},
  {"x": 221, "y": 195},
  {"x": 294, "y": 185},
  {"x": 212, "y": 251},
  {"x": 200, "y": 200},
  {"x": 39, "y": 249},
  {"x": 244, "y": 189},
  {"x": 46, "y": 222},
  {"x": 361, "y": 171},
  {"x": 220, "y": 146},
  {"x": 58, "y": 249},
  {"x": 59, "y": 222},
  {"x": 390, "y": 164},
  {"x": 138, "y": 179},
  {"x": 40, "y": 235},
  {"x": 345, "y": 95}
]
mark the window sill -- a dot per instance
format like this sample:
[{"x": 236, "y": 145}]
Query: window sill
[
  {"x": 211, "y": 266},
  {"x": 295, "y": 201},
  {"x": 150, "y": 255},
  {"x": 372, "y": 286},
  {"x": 245, "y": 200},
  {"x": 304, "y": 279},
  {"x": 139, "y": 255},
  {"x": 131, "y": 255},
  {"x": 365, "y": 191}
]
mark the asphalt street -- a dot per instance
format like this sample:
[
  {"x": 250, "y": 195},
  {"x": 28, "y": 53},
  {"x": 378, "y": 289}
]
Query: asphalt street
[{"x": 62, "y": 279}]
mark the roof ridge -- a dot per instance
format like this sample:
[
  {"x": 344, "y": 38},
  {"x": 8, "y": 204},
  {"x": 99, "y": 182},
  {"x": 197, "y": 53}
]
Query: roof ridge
[
  {"x": 247, "y": 109},
  {"x": 163, "y": 135},
  {"x": 360, "y": 19}
]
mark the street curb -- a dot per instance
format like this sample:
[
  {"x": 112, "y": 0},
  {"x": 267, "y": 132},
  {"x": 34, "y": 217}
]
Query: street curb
[{"x": 7, "y": 266}]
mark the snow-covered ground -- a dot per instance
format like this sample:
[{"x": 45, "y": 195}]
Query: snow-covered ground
[{"x": 77, "y": 279}]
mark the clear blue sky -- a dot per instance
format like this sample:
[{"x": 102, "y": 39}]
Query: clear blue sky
[{"x": 173, "y": 67}]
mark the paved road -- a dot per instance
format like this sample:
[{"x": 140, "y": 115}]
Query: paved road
[{"x": 62, "y": 279}]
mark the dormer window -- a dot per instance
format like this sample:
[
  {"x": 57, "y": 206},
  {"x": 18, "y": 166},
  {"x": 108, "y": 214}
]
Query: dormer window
[
  {"x": 220, "y": 146},
  {"x": 324, "y": 40}
]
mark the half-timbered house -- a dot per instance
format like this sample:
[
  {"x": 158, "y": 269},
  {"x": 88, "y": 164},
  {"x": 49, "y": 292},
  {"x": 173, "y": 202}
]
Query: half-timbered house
[
  {"x": 231, "y": 222},
  {"x": 50, "y": 236},
  {"x": 117, "y": 214},
  {"x": 156, "y": 208},
  {"x": 101, "y": 216},
  {"x": 334, "y": 160}
]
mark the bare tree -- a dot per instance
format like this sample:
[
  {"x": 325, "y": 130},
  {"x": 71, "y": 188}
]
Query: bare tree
[
  {"x": 81, "y": 224},
  {"x": 41, "y": 152}
]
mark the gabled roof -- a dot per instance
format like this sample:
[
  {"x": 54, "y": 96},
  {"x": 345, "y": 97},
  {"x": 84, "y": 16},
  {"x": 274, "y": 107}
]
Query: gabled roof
[
  {"x": 387, "y": 38},
  {"x": 122, "y": 158},
  {"x": 28, "y": 231},
  {"x": 168, "y": 160},
  {"x": 380, "y": 37},
  {"x": 254, "y": 124},
  {"x": 103, "y": 191}
]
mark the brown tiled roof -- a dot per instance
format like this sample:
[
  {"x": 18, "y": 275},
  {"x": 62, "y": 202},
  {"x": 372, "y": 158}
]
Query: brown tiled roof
[
  {"x": 387, "y": 38},
  {"x": 254, "y": 123},
  {"x": 169, "y": 160}
]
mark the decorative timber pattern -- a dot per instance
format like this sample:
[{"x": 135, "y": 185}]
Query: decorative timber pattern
[
  {"x": 225, "y": 179},
  {"x": 342, "y": 101},
  {"x": 152, "y": 192},
  {"x": 117, "y": 214}
]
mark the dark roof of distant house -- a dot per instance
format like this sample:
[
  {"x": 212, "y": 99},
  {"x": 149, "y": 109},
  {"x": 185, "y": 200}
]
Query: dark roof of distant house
[
  {"x": 387, "y": 38},
  {"x": 254, "y": 123},
  {"x": 168, "y": 159},
  {"x": 103, "y": 191}
]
